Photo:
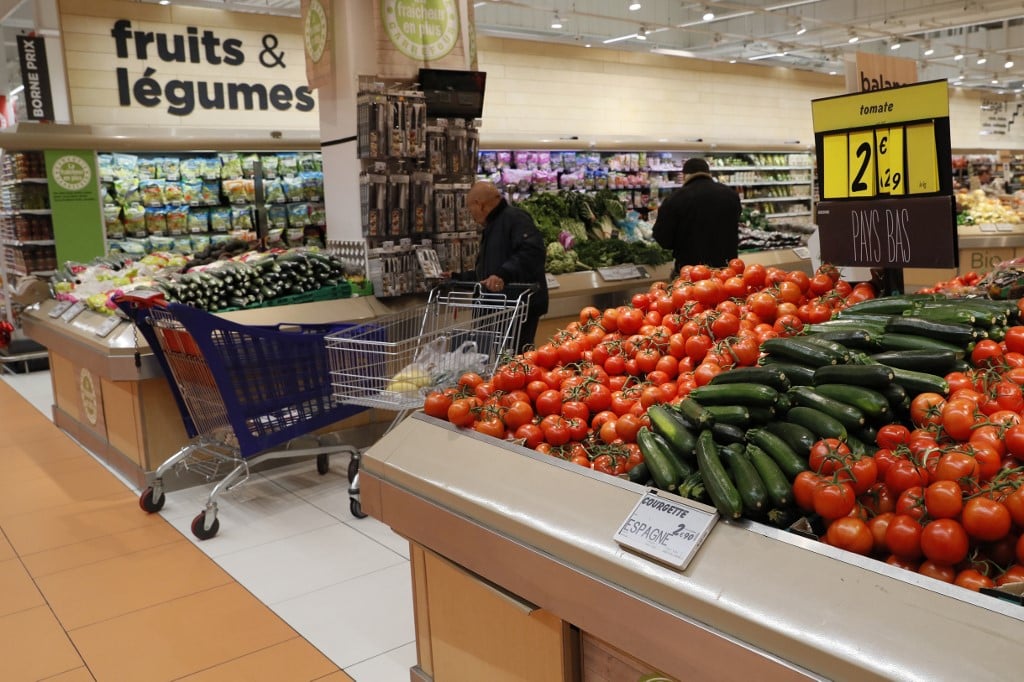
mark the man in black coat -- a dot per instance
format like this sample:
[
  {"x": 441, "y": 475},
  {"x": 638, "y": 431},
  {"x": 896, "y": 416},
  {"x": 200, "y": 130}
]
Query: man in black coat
[
  {"x": 699, "y": 222},
  {"x": 511, "y": 252}
]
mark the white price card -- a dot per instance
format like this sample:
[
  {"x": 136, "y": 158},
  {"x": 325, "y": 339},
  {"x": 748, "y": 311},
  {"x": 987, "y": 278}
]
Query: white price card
[
  {"x": 551, "y": 280},
  {"x": 106, "y": 326},
  {"x": 615, "y": 273},
  {"x": 802, "y": 252},
  {"x": 987, "y": 227},
  {"x": 73, "y": 312},
  {"x": 1004, "y": 227},
  {"x": 666, "y": 528},
  {"x": 58, "y": 309}
]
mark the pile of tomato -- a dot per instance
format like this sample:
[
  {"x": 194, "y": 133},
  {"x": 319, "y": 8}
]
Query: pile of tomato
[
  {"x": 943, "y": 496},
  {"x": 959, "y": 284},
  {"x": 582, "y": 395}
]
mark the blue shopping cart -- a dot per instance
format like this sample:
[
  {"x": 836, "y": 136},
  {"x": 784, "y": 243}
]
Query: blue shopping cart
[{"x": 245, "y": 392}]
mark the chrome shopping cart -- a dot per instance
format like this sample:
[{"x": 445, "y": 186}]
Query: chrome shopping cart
[
  {"x": 392, "y": 362},
  {"x": 246, "y": 393}
]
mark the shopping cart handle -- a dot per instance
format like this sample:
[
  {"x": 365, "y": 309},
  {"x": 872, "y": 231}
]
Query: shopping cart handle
[{"x": 143, "y": 299}]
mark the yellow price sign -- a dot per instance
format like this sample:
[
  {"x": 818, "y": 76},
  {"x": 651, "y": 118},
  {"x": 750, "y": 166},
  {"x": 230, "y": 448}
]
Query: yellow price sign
[
  {"x": 922, "y": 160},
  {"x": 861, "y": 164}
]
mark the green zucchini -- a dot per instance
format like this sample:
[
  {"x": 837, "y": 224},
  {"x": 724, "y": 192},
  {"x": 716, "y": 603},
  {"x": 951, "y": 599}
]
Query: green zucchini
[
  {"x": 889, "y": 305},
  {"x": 788, "y": 461},
  {"x": 780, "y": 492},
  {"x": 877, "y": 376},
  {"x": 869, "y": 401},
  {"x": 717, "y": 484},
  {"x": 669, "y": 425},
  {"x": 806, "y": 396},
  {"x": 896, "y": 395},
  {"x": 663, "y": 471},
  {"x": 748, "y": 482},
  {"x": 899, "y": 341},
  {"x": 767, "y": 375},
  {"x": 683, "y": 468},
  {"x": 955, "y": 333},
  {"x": 797, "y": 374},
  {"x": 841, "y": 352},
  {"x": 945, "y": 314},
  {"x": 938, "y": 362},
  {"x": 854, "y": 337},
  {"x": 737, "y": 415},
  {"x": 694, "y": 412},
  {"x": 820, "y": 424},
  {"x": 639, "y": 473},
  {"x": 920, "y": 382},
  {"x": 735, "y": 394},
  {"x": 797, "y": 437},
  {"x": 800, "y": 351},
  {"x": 728, "y": 433},
  {"x": 761, "y": 415}
]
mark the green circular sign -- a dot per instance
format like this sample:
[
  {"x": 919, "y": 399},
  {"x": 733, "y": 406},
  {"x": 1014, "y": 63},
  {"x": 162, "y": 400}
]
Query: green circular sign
[
  {"x": 421, "y": 29},
  {"x": 71, "y": 173},
  {"x": 315, "y": 31}
]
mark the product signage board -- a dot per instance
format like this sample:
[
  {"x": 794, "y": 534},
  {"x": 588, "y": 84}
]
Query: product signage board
[
  {"x": 886, "y": 185},
  {"x": 666, "y": 528},
  {"x": 415, "y": 33},
  {"x": 35, "y": 76},
  {"x": 77, "y": 221},
  {"x": 140, "y": 64},
  {"x": 317, "y": 38},
  {"x": 618, "y": 273}
]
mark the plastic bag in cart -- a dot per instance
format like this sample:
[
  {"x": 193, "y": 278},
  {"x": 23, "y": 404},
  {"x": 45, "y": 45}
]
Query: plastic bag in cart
[{"x": 434, "y": 365}]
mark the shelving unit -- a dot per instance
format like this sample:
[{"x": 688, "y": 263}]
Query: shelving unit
[{"x": 27, "y": 246}]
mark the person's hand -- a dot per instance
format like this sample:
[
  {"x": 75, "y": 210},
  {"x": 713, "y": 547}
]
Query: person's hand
[
  {"x": 446, "y": 274},
  {"x": 493, "y": 283}
]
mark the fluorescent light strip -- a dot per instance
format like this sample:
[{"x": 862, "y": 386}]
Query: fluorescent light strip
[
  {"x": 767, "y": 56},
  {"x": 16, "y": 90}
]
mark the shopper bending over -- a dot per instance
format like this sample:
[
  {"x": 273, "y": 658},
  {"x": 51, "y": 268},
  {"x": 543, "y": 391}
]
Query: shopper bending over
[
  {"x": 511, "y": 252},
  {"x": 699, "y": 222}
]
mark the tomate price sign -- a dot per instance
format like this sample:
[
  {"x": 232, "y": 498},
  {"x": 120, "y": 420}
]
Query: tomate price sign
[{"x": 886, "y": 178}]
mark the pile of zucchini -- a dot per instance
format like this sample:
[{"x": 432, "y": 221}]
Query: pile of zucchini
[{"x": 739, "y": 441}]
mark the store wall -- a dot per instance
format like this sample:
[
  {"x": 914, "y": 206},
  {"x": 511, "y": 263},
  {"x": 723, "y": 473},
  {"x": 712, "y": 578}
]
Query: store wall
[{"x": 539, "y": 91}]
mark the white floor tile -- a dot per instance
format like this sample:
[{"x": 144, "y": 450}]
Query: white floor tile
[
  {"x": 374, "y": 529},
  {"x": 34, "y": 387},
  {"x": 358, "y": 619},
  {"x": 288, "y": 568},
  {"x": 388, "y": 667}
]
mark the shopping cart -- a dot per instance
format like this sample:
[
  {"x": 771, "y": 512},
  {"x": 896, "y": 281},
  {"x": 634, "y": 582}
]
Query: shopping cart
[
  {"x": 246, "y": 393},
  {"x": 392, "y": 362}
]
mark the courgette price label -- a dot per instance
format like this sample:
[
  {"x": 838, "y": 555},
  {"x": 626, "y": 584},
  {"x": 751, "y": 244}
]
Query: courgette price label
[{"x": 666, "y": 528}]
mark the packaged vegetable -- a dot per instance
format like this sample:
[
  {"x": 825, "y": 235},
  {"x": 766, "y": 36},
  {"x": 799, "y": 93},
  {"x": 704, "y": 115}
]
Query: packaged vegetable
[
  {"x": 125, "y": 166},
  {"x": 161, "y": 243},
  {"x": 112, "y": 222},
  {"x": 274, "y": 191},
  {"x": 230, "y": 166},
  {"x": 210, "y": 195},
  {"x": 105, "y": 167},
  {"x": 211, "y": 169},
  {"x": 177, "y": 220},
  {"x": 298, "y": 215},
  {"x": 174, "y": 195},
  {"x": 192, "y": 192},
  {"x": 248, "y": 163},
  {"x": 234, "y": 190},
  {"x": 152, "y": 192},
  {"x": 198, "y": 220},
  {"x": 220, "y": 219},
  {"x": 275, "y": 236},
  {"x": 191, "y": 169},
  {"x": 181, "y": 245},
  {"x": 288, "y": 164},
  {"x": 156, "y": 220},
  {"x": 268, "y": 165},
  {"x": 277, "y": 216},
  {"x": 241, "y": 218},
  {"x": 312, "y": 185},
  {"x": 147, "y": 169},
  {"x": 135, "y": 220},
  {"x": 317, "y": 214},
  {"x": 200, "y": 243},
  {"x": 293, "y": 188},
  {"x": 170, "y": 168}
]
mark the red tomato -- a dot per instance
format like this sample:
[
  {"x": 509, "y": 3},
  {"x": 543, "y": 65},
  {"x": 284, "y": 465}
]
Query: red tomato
[
  {"x": 926, "y": 408},
  {"x": 878, "y": 499},
  {"x": 490, "y": 426},
  {"x": 437, "y": 404},
  {"x": 1014, "y": 339},
  {"x": 956, "y": 466},
  {"x": 959, "y": 415},
  {"x": 903, "y": 537},
  {"x": 549, "y": 402},
  {"x": 943, "y": 500},
  {"x": 697, "y": 346},
  {"x": 892, "y": 435},
  {"x": 705, "y": 372},
  {"x": 1015, "y": 505},
  {"x": 556, "y": 430},
  {"x": 804, "y": 485},
  {"x": 986, "y": 519},
  {"x": 944, "y": 541},
  {"x": 878, "y": 525},
  {"x": 462, "y": 411},
  {"x": 904, "y": 474},
  {"x": 629, "y": 320},
  {"x": 987, "y": 353},
  {"x": 725, "y": 325},
  {"x": 1014, "y": 574},
  {"x": 519, "y": 413},
  {"x": 851, "y": 534},
  {"x": 647, "y": 359},
  {"x": 627, "y": 426},
  {"x": 833, "y": 500},
  {"x": 763, "y": 305},
  {"x": 788, "y": 324},
  {"x": 821, "y": 283},
  {"x": 1008, "y": 395},
  {"x": 939, "y": 571},
  {"x": 827, "y": 455},
  {"x": 972, "y": 579},
  {"x": 532, "y": 434},
  {"x": 576, "y": 409},
  {"x": 911, "y": 502}
]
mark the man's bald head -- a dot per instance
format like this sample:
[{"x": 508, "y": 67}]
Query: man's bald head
[{"x": 483, "y": 198}]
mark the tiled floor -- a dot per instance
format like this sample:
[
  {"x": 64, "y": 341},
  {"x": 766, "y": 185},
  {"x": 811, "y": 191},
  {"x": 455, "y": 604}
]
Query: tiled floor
[{"x": 291, "y": 588}]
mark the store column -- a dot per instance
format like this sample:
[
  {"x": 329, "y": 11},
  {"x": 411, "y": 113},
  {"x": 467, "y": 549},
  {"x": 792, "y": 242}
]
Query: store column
[{"x": 388, "y": 38}]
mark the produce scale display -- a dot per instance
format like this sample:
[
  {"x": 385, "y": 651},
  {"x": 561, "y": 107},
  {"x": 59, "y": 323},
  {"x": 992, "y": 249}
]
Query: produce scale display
[{"x": 885, "y": 426}]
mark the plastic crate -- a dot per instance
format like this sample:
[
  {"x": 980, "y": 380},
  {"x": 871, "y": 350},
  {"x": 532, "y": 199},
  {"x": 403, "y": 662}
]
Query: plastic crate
[{"x": 364, "y": 288}]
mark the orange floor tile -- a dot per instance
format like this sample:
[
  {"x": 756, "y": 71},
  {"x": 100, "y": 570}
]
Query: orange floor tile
[{"x": 93, "y": 590}]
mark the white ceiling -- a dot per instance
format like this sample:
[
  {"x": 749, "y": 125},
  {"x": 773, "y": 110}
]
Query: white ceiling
[{"x": 750, "y": 31}]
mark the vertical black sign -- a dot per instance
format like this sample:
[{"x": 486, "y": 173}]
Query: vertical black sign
[{"x": 35, "y": 76}]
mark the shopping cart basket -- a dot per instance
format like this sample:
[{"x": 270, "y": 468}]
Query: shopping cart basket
[
  {"x": 245, "y": 393},
  {"x": 392, "y": 362}
]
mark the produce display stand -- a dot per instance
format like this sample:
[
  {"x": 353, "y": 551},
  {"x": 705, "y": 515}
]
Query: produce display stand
[
  {"x": 119, "y": 405},
  {"x": 522, "y": 544}
]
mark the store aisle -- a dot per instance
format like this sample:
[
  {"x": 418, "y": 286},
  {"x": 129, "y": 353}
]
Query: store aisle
[{"x": 292, "y": 588}]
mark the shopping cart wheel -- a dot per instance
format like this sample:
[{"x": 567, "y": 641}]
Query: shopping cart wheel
[
  {"x": 356, "y": 508},
  {"x": 323, "y": 464},
  {"x": 199, "y": 527},
  {"x": 353, "y": 466},
  {"x": 150, "y": 502}
]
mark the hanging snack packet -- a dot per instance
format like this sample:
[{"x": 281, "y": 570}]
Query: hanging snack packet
[
  {"x": 220, "y": 219},
  {"x": 112, "y": 221},
  {"x": 211, "y": 167},
  {"x": 269, "y": 164},
  {"x": 170, "y": 168},
  {"x": 293, "y": 188},
  {"x": 274, "y": 191},
  {"x": 249, "y": 188},
  {"x": 231, "y": 166},
  {"x": 105, "y": 167},
  {"x": 241, "y": 218},
  {"x": 198, "y": 220},
  {"x": 156, "y": 220},
  {"x": 277, "y": 216},
  {"x": 312, "y": 185},
  {"x": 210, "y": 195},
  {"x": 248, "y": 163},
  {"x": 147, "y": 169},
  {"x": 177, "y": 220},
  {"x": 234, "y": 190},
  {"x": 289, "y": 164},
  {"x": 298, "y": 215},
  {"x": 174, "y": 195},
  {"x": 135, "y": 220},
  {"x": 152, "y": 192},
  {"x": 317, "y": 214},
  {"x": 192, "y": 192},
  {"x": 191, "y": 169}
]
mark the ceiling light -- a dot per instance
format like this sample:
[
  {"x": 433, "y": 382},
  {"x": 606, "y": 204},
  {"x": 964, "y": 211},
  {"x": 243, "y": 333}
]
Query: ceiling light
[
  {"x": 981, "y": 59},
  {"x": 586, "y": 45},
  {"x": 958, "y": 56},
  {"x": 1008, "y": 64},
  {"x": 853, "y": 38},
  {"x": 16, "y": 90},
  {"x": 164, "y": 2},
  {"x": 895, "y": 44},
  {"x": 634, "y": 6},
  {"x": 709, "y": 14},
  {"x": 928, "y": 49},
  {"x": 641, "y": 34},
  {"x": 556, "y": 22},
  {"x": 831, "y": 73},
  {"x": 801, "y": 29},
  {"x": 995, "y": 79},
  {"x": 732, "y": 61}
]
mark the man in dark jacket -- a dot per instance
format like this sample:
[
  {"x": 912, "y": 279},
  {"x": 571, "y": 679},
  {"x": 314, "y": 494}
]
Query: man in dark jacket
[
  {"x": 699, "y": 222},
  {"x": 511, "y": 252}
]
